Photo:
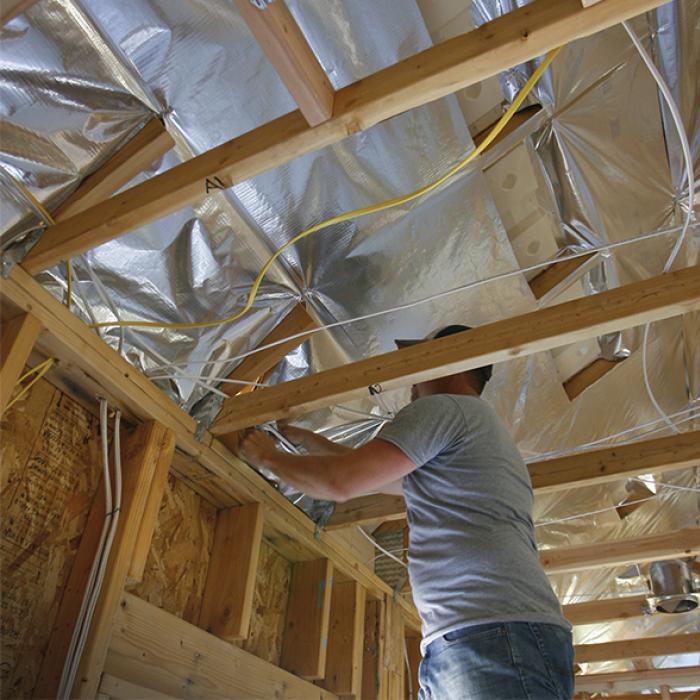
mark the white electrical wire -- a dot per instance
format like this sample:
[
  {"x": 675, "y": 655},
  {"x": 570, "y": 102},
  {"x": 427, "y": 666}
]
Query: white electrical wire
[
  {"x": 409, "y": 675},
  {"x": 433, "y": 297},
  {"x": 99, "y": 565},
  {"x": 685, "y": 147},
  {"x": 593, "y": 443},
  {"x": 381, "y": 549},
  {"x": 68, "y": 674}
]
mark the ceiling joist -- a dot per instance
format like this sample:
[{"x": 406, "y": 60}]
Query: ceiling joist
[
  {"x": 507, "y": 41},
  {"x": 634, "y": 304},
  {"x": 550, "y": 475}
]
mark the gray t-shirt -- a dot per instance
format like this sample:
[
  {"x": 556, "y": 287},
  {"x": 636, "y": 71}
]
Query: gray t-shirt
[{"x": 472, "y": 552}]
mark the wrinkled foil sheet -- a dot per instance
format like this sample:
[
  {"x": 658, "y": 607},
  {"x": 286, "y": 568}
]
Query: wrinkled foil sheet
[{"x": 79, "y": 78}]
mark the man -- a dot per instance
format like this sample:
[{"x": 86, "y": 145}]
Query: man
[{"x": 492, "y": 626}]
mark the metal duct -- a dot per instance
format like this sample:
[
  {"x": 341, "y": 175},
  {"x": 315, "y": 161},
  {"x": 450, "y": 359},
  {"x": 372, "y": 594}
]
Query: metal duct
[{"x": 672, "y": 587}]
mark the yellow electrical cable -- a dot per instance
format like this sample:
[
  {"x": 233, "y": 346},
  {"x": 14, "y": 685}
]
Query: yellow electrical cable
[
  {"x": 41, "y": 369},
  {"x": 49, "y": 220},
  {"x": 355, "y": 214}
]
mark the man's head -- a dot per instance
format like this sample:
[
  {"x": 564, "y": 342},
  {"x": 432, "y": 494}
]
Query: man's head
[{"x": 470, "y": 382}]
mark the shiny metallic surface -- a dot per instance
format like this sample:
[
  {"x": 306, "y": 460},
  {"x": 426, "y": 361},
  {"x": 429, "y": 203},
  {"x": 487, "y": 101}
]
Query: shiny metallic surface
[{"x": 79, "y": 77}]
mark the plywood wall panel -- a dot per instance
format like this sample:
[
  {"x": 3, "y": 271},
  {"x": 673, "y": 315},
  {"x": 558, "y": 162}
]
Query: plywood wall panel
[
  {"x": 176, "y": 567},
  {"x": 50, "y": 468}
]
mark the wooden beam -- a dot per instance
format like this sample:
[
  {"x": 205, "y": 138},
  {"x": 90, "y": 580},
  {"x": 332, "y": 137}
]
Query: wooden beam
[
  {"x": 601, "y": 555},
  {"x": 88, "y": 368},
  {"x": 518, "y": 119},
  {"x": 285, "y": 46},
  {"x": 345, "y": 640},
  {"x": 635, "y": 648},
  {"x": 154, "y": 649},
  {"x": 145, "y": 148},
  {"x": 11, "y": 8},
  {"x": 551, "y": 475},
  {"x": 228, "y": 594},
  {"x": 154, "y": 498},
  {"x": 17, "y": 340},
  {"x": 589, "y": 375},
  {"x": 413, "y": 662},
  {"x": 118, "y": 689},
  {"x": 373, "y": 650},
  {"x": 140, "y": 458},
  {"x": 507, "y": 41},
  {"x": 638, "y": 680},
  {"x": 552, "y": 276},
  {"x": 593, "y": 611},
  {"x": 393, "y": 664},
  {"x": 255, "y": 366},
  {"x": 632, "y": 305},
  {"x": 305, "y": 640}
]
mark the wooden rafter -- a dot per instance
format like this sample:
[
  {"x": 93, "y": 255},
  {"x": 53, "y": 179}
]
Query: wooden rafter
[
  {"x": 635, "y": 648},
  {"x": 638, "y": 680},
  {"x": 638, "y": 550},
  {"x": 550, "y": 475},
  {"x": 285, "y": 46},
  {"x": 604, "y": 610},
  {"x": 634, "y": 304},
  {"x": 509, "y": 40},
  {"x": 16, "y": 343},
  {"x": 150, "y": 143},
  {"x": 587, "y": 376},
  {"x": 551, "y": 277},
  {"x": 88, "y": 364},
  {"x": 11, "y": 8}
]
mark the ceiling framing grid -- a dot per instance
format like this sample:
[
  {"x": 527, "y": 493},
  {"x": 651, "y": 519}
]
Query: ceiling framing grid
[{"x": 165, "y": 435}]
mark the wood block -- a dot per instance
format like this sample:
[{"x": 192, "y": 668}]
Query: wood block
[
  {"x": 345, "y": 640},
  {"x": 228, "y": 594},
  {"x": 308, "y": 614}
]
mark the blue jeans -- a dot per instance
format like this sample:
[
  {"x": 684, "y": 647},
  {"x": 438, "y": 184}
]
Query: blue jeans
[{"x": 499, "y": 661}]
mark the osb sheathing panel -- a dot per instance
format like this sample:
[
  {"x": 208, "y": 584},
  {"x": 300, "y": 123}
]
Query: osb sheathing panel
[
  {"x": 49, "y": 448},
  {"x": 176, "y": 568},
  {"x": 269, "y": 606}
]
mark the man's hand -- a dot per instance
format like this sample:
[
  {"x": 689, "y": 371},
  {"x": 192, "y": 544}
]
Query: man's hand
[
  {"x": 258, "y": 449},
  {"x": 313, "y": 443}
]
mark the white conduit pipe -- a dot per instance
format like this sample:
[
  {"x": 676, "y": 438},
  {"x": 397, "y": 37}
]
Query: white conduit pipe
[
  {"x": 687, "y": 156},
  {"x": 99, "y": 564}
]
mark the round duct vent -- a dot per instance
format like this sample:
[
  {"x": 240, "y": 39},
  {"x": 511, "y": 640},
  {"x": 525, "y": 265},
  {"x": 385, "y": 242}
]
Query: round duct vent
[{"x": 672, "y": 587}]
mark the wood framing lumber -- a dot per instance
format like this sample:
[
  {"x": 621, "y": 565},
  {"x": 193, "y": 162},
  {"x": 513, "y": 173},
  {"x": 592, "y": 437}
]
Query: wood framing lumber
[
  {"x": 518, "y": 119},
  {"x": 285, "y": 46},
  {"x": 607, "y": 554},
  {"x": 547, "y": 476},
  {"x": 118, "y": 689},
  {"x": 227, "y": 602},
  {"x": 678, "y": 677},
  {"x": 346, "y": 633},
  {"x": 11, "y": 8},
  {"x": 154, "y": 498},
  {"x": 16, "y": 343},
  {"x": 593, "y": 611},
  {"x": 552, "y": 276},
  {"x": 154, "y": 649},
  {"x": 49, "y": 677},
  {"x": 139, "y": 460},
  {"x": 373, "y": 650},
  {"x": 305, "y": 643},
  {"x": 89, "y": 368},
  {"x": 507, "y": 41},
  {"x": 255, "y": 366},
  {"x": 150, "y": 143},
  {"x": 667, "y": 645},
  {"x": 650, "y": 300},
  {"x": 589, "y": 375}
]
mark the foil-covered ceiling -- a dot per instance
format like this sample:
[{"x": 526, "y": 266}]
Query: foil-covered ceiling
[{"x": 79, "y": 77}]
